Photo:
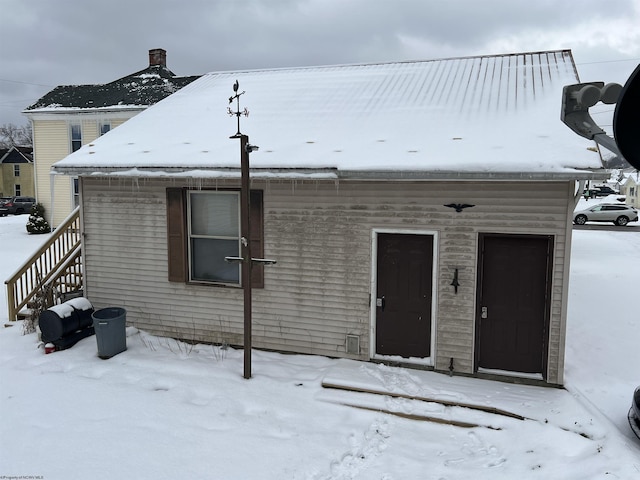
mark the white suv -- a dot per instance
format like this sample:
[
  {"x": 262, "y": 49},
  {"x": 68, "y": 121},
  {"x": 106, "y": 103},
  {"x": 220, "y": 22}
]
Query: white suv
[{"x": 617, "y": 213}]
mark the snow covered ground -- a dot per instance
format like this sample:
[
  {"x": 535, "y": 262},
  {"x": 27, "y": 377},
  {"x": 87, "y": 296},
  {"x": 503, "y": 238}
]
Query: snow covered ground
[{"x": 166, "y": 410}]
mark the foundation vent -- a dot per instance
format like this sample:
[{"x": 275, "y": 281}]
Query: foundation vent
[{"x": 353, "y": 344}]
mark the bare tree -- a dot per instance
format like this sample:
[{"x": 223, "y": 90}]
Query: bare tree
[{"x": 12, "y": 135}]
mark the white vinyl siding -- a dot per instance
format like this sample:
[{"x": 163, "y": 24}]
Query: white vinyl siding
[
  {"x": 631, "y": 190},
  {"x": 51, "y": 143},
  {"x": 320, "y": 233}
]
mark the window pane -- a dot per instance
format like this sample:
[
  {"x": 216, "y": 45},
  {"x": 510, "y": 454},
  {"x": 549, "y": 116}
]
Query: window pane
[
  {"x": 207, "y": 260},
  {"x": 76, "y": 132},
  {"x": 76, "y": 193},
  {"x": 214, "y": 214},
  {"x": 76, "y": 137}
]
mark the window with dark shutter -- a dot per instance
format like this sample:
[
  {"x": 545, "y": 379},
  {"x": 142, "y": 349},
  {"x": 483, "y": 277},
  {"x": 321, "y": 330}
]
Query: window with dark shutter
[
  {"x": 176, "y": 235},
  {"x": 202, "y": 228}
]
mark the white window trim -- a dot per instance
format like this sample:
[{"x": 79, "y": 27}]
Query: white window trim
[{"x": 236, "y": 193}]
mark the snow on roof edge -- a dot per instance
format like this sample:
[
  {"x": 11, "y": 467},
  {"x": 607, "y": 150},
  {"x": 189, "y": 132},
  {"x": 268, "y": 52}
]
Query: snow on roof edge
[
  {"x": 334, "y": 174},
  {"x": 60, "y": 109}
]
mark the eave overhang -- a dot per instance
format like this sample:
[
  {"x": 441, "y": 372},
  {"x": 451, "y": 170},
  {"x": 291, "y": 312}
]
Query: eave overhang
[
  {"x": 53, "y": 113},
  {"x": 330, "y": 174}
]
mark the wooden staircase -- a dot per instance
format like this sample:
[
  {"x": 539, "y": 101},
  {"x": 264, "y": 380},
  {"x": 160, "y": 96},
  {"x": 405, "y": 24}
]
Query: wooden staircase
[{"x": 55, "y": 267}]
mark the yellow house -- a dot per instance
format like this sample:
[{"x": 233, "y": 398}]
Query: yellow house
[
  {"x": 16, "y": 172},
  {"x": 70, "y": 116}
]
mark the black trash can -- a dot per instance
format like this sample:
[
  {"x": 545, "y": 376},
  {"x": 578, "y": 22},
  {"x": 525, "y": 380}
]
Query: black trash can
[
  {"x": 111, "y": 332},
  {"x": 66, "y": 324}
]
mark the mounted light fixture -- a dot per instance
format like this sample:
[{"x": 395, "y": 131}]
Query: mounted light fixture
[{"x": 455, "y": 283}]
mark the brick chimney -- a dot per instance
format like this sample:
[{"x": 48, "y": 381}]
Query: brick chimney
[{"x": 157, "y": 56}]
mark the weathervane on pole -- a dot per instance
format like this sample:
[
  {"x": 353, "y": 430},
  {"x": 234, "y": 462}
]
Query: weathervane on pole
[
  {"x": 245, "y": 257},
  {"x": 237, "y": 113},
  {"x": 245, "y": 228}
]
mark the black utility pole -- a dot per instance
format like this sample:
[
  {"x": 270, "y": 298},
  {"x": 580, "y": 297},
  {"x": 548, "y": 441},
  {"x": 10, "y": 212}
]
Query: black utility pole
[
  {"x": 245, "y": 253},
  {"x": 245, "y": 227}
]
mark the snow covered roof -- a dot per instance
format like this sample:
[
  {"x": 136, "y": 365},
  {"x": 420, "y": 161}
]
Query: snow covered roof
[
  {"x": 137, "y": 90},
  {"x": 494, "y": 116}
]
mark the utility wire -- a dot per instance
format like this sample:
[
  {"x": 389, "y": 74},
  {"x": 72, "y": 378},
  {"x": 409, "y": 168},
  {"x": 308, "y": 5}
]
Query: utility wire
[
  {"x": 26, "y": 83},
  {"x": 609, "y": 61}
]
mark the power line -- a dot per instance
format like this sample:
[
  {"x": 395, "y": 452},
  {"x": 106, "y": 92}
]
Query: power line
[
  {"x": 16, "y": 101},
  {"x": 26, "y": 83},
  {"x": 609, "y": 61},
  {"x": 10, "y": 107}
]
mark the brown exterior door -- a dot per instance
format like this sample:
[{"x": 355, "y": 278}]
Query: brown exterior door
[
  {"x": 404, "y": 290},
  {"x": 513, "y": 302}
]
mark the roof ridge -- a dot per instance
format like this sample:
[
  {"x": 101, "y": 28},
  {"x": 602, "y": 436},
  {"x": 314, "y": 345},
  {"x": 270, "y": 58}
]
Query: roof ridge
[
  {"x": 150, "y": 69},
  {"x": 565, "y": 51}
]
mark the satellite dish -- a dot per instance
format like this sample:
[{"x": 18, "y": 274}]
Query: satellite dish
[{"x": 626, "y": 120}]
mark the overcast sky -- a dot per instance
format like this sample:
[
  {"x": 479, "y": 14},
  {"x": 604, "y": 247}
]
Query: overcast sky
[{"x": 45, "y": 43}]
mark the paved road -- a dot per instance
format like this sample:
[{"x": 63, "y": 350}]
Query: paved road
[{"x": 632, "y": 227}]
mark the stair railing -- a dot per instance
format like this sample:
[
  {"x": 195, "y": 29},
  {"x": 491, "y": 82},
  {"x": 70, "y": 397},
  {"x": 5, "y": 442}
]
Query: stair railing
[{"x": 57, "y": 261}]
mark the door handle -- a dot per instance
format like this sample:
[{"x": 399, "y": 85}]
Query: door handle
[
  {"x": 484, "y": 312},
  {"x": 380, "y": 302}
]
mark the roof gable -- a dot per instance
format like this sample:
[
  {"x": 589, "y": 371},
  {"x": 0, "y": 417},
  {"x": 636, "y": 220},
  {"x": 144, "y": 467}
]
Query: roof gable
[
  {"x": 631, "y": 179},
  {"x": 16, "y": 155},
  {"x": 486, "y": 114}
]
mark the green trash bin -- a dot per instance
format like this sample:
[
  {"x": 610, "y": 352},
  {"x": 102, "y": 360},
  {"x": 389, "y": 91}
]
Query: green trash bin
[{"x": 111, "y": 332}]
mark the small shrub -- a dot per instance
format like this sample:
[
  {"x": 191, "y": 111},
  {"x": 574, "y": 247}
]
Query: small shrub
[
  {"x": 41, "y": 301},
  {"x": 37, "y": 223}
]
